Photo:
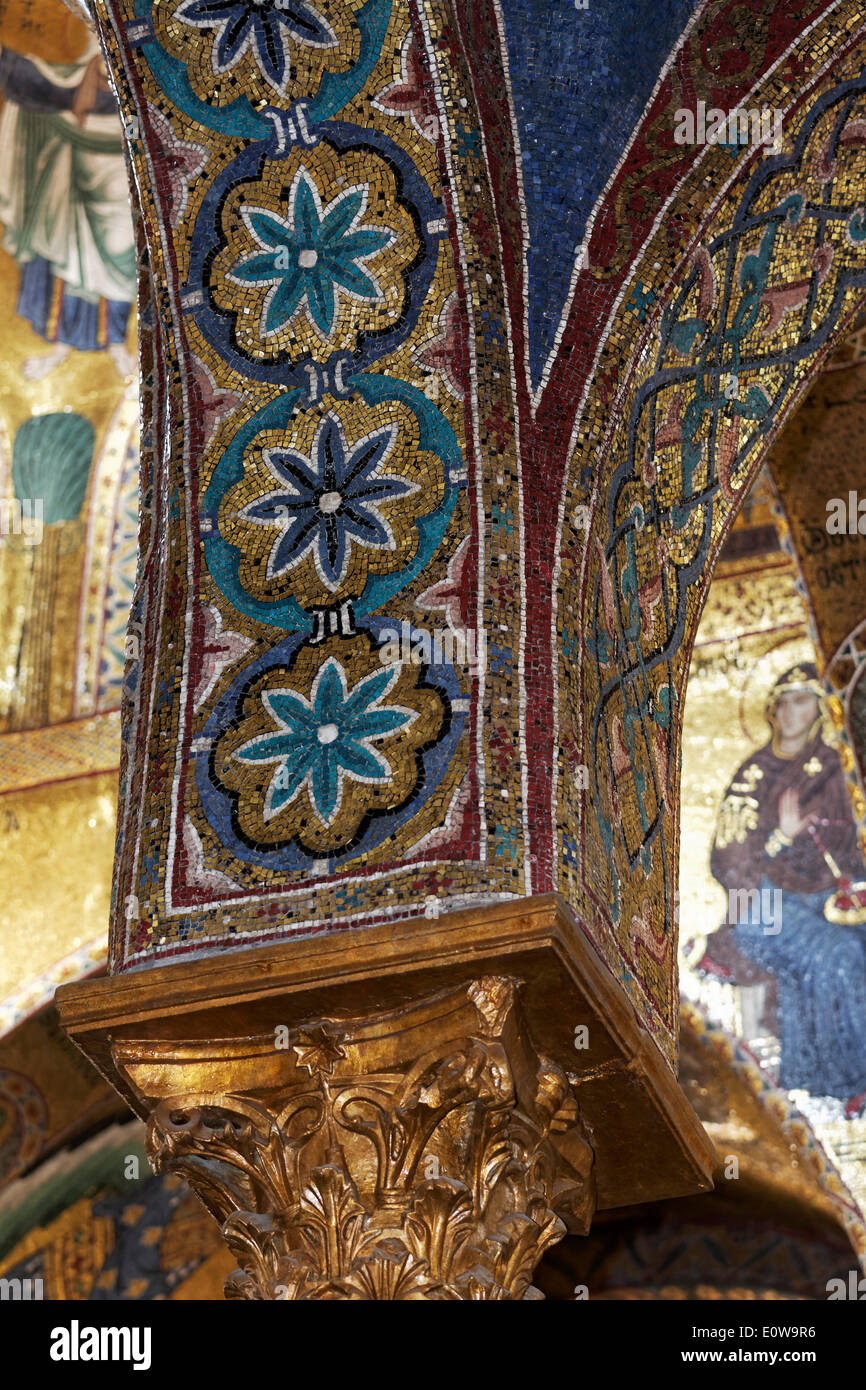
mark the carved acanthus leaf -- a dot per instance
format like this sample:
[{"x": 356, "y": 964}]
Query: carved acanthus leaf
[{"x": 439, "y": 1172}]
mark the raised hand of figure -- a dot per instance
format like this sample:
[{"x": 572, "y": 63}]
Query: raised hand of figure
[
  {"x": 791, "y": 820},
  {"x": 94, "y": 81}
]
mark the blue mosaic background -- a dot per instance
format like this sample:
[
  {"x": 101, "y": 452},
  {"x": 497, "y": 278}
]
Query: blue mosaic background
[{"x": 578, "y": 96}]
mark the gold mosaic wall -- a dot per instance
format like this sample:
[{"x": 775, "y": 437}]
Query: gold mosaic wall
[{"x": 68, "y": 495}]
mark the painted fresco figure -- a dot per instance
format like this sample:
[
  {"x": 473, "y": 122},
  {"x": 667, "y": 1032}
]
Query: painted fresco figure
[
  {"x": 64, "y": 204},
  {"x": 763, "y": 841}
]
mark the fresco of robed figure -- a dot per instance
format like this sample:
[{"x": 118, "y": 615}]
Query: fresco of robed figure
[
  {"x": 64, "y": 204},
  {"x": 785, "y": 828}
]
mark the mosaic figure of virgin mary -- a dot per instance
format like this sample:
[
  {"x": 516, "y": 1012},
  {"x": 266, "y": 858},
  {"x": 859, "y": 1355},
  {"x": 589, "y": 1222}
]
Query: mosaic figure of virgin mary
[{"x": 785, "y": 844}]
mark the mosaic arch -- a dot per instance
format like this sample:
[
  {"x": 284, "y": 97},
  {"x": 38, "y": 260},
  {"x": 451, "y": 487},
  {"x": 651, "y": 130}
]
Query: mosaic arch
[
  {"x": 726, "y": 317},
  {"x": 352, "y": 448},
  {"x": 308, "y": 334}
]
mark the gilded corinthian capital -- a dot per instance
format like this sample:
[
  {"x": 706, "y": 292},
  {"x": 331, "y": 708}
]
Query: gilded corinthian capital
[{"x": 430, "y": 1152}]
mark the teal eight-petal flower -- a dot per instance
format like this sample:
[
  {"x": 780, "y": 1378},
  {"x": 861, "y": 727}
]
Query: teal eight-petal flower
[
  {"x": 312, "y": 256},
  {"x": 323, "y": 740}
]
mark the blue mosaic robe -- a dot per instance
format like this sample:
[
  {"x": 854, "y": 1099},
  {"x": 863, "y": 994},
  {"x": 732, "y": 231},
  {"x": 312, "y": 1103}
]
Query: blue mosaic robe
[
  {"x": 820, "y": 972},
  {"x": 819, "y": 967}
]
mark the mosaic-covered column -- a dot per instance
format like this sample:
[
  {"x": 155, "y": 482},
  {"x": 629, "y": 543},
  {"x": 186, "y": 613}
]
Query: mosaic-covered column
[
  {"x": 325, "y": 859},
  {"x": 306, "y": 724}
]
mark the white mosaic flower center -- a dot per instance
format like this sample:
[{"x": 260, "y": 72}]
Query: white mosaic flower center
[
  {"x": 330, "y": 502},
  {"x": 308, "y": 258},
  {"x": 327, "y": 733}
]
